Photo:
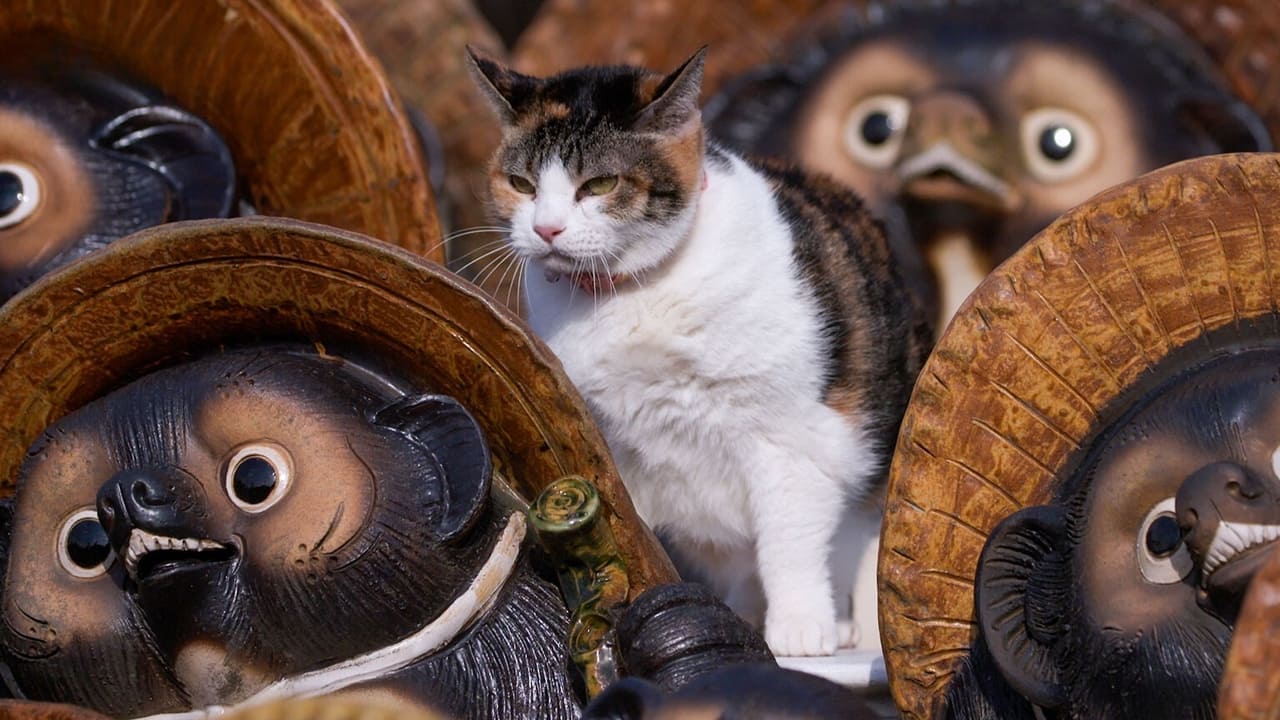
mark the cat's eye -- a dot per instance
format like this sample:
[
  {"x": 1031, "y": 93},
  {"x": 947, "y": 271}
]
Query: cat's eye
[
  {"x": 1163, "y": 557},
  {"x": 19, "y": 193},
  {"x": 521, "y": 184},
  {"x": 602, "y": 185},
  {"x": 874, "y": 129},
  {"x": 84, "y": 550},
  {"x": 257, "y": 476},
  {"x": 1058, "y": 144}
]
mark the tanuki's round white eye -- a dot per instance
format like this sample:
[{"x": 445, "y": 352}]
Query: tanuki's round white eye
[
  {"x": 1162, "y": 555},
  {"x": 874, "y": 129},
  {"x": 19, "y": 193},
  {"x": 258, "y": 475},
  {"x": 1058, "y": 144},
  {"x": 83, "y": 547}
]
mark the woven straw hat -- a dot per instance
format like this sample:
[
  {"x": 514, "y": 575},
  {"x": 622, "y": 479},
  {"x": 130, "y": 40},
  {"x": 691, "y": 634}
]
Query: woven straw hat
[
  {"x": 169, "y": 293},
  {"x": 310, "y": 118},
  {"x": 1028, "y": 370}
]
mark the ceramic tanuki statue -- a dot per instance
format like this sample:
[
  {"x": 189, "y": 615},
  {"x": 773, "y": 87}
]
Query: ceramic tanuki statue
[
  {"x": 1134, "y": 577},
  {"x": 1088, "y": 475},
  {"x": 87, "y": 158},
  {"x": 969, "y": 126},
  {"x": 119, "y": 117},
  {"x": 264, "y": 519}
]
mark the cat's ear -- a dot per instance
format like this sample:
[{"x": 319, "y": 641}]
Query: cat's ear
[
  {"x": 502, "y": 86},
  {"x": 675, "y": 101}
]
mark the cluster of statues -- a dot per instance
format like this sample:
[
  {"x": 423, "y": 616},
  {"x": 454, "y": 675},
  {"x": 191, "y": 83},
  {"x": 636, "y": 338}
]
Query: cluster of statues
[{"x": 238, "y": 266}]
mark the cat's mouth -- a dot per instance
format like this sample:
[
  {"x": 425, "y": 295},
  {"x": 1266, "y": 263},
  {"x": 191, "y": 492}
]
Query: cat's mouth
[{"x": 558, "y": 262}]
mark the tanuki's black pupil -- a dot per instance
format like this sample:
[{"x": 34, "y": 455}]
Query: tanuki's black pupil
[
  {"x": 254, "y": 479},
  {"x": 1057, "y": 142},
  {"x": 87, "y": 544},
  {"x": 877, "y": 128},
  {"x": 10, "y": 192},
  {"x": 1163, "y": 536}
]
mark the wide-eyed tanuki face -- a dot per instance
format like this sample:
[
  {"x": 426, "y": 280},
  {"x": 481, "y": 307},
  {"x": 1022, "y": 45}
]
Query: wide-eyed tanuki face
[
  {"x": 219, "y": 525},
  {"x": 1119, "y": 601},
  {"x": 87, "y": 157},
  {"x": 969, "y": 126}
]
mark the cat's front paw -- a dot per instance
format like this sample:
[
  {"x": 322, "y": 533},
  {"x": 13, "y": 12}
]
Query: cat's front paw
[{"x": 795, "y": 635}]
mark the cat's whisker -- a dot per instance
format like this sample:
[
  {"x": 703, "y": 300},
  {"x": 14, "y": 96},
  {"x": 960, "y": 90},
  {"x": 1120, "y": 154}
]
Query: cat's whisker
[
  {"x": 616, "y": 258},
  {"x": 484, "y": 275},
  {"x": 517, "y": 282},
  {"x": 483, "y": 248},
  {"x": 476, "y": 231},
  {"x": 504, "y": 247},
  {"x": 512, "y": 264},
  {"x": 595, "y": 281},
  {"x": 492, "y": 268},
  {"x": 464, "y": 232},
  {"x": 573, "y": 278}
]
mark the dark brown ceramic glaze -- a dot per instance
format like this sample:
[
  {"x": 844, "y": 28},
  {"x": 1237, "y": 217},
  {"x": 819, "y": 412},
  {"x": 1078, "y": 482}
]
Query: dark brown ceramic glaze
[
  {"x": 1018, "y": 383},
  {"x": 317, "y": 134},
  {"x": 272, "y": 511}
]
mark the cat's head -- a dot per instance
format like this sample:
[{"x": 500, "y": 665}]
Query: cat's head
[{"x": 599, "y": 168}]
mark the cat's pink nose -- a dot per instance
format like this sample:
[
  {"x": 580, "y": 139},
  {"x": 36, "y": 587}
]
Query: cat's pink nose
[{"x": 548, "y": 232}]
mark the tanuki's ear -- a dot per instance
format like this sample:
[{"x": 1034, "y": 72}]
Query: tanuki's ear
[
  {"x": 460, "y": 466},
  {"x": 1231, "y": 125},
  {"x": 676, "y": 100},
  {"x": 505, "y": 89},
  {"x": 183, "y": 149},
  {"x": 1020, "y": 593}
]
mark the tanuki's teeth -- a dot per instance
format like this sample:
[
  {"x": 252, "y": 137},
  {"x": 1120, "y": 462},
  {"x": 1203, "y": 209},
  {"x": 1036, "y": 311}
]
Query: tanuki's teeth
[
  {"x": 142, "y": 542},
  {"x": 1231, "y": 539}
]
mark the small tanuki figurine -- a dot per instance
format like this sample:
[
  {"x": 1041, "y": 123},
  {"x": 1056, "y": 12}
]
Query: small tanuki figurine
[
  {"x": 257, "y": 459},
  {"x": 89, "y": 158},
  {"x": 264, "y": 522},
  {"x": 119, "y": 117},
  {"x": 969, "y": 126},
  {"x": 1088, "y": 475}
]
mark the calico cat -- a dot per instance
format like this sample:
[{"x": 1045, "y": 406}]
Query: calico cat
[{"x": 737, "y": 330}]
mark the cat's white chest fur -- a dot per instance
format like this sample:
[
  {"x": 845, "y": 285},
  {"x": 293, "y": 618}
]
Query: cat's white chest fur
[{"x": 706, "y": 377}]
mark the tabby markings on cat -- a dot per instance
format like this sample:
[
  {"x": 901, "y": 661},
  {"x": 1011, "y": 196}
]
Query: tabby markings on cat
[{"x": 738, "y": 331}]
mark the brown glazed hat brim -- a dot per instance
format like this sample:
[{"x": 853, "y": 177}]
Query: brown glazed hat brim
[
  {"x": 169, "y": 293},
  {"x": 1027, "y": 370},
  {"x": 313, "y": 125}
]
